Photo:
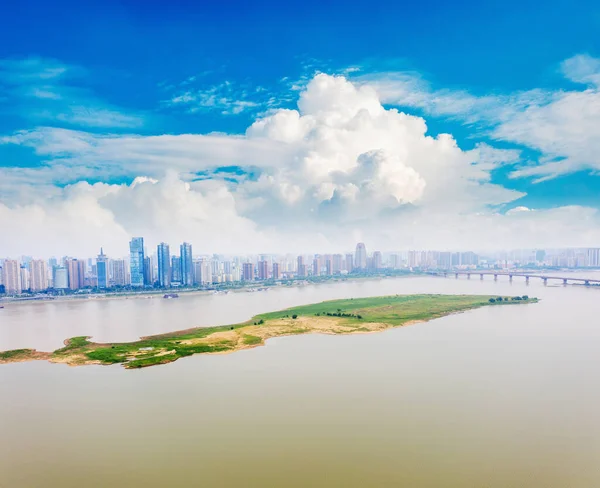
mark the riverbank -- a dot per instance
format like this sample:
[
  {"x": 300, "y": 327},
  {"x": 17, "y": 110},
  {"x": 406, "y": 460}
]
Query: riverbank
[
  {"x": 348, "y": 316},
  {"x": 250, "y": 287}
]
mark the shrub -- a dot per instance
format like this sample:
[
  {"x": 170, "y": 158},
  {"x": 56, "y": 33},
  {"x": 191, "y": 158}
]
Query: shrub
[
  {"x": 525, "y": 297},
  {"x": 294, "y": 316},
  {"x": 499, "y": 299},
  {"x": 492, "y": 300}
]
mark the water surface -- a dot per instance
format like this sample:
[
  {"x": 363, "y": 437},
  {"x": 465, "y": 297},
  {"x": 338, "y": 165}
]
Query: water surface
[{"x": 495, "y": 397}]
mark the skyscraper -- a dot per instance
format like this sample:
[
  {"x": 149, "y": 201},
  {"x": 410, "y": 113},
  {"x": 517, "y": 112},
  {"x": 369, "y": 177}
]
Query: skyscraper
[
  {"x": 102, "y": 269},
  {"x": 148, "y": 275},
  {"x": 175, "y": 270},
  {"x": 11, "y": 276},
  {"x": 360, "y": 260},
  {"x": 276, "y": 272},
  {"x": 60, "y": 278},
  {"x": 118, "y": 272},
  {"x": 137, "y": 261},
  {"x": 76, "y": 272},
  {"x": 164, "y": 265},
  {"x": 349, "y": 262},
  {"x": 187, "y": 265},
  {"x": 38, "y": 275},
  {"x": 248, "y": 272},
  {"x": 263, "y": 270},
  {"x": 377, "y": 261}
]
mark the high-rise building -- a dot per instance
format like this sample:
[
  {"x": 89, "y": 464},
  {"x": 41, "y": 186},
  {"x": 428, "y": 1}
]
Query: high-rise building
[
  {"x": 316, "y": 266},
  {"x": 175, "y": 270},
  {"x": 38, "y": 272},
  {"x": 137, "y": 262},
  {"x": 76, "y": 272},
  {"x": 248, "y": 272},
  {"x": 276, "y": 272},
  {"x": 328, "y": 265},
  {"x": 187, "y": 264},
  {"x": 337, "y": 263},
  {"x": 25, "y": 284},
  {"x": 118, "y": 272},
  {"x": 148, "y": 274},
  {"x": 360, "y": 259},
  {"x": 349, "y": 262},
  {"x": 102, "y": 270},
  {"x": 377, "y": 261},
  {"x": 263, "y": 270},
  {"x": 11, "y": 277},
  {"x": 164, "y": 265},
  {"x": 301, "y": 268},
  {"x": 60, "y": 278}
]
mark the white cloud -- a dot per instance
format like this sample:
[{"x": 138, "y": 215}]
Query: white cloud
[
  {"x": 340, "y": 168},
  {"x": 560, "y": 124}
]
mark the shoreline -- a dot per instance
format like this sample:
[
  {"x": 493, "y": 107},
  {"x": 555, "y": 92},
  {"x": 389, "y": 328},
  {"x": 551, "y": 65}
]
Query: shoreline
[
  {"x": 335, "y": 317},
  {"x": 152, "y": 294}
]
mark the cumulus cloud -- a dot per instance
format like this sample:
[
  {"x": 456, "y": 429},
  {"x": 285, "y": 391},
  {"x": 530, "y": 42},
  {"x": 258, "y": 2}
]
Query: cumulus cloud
[
  {"x": 560, "y": 124},
  {"x": 340, "y": 167}
]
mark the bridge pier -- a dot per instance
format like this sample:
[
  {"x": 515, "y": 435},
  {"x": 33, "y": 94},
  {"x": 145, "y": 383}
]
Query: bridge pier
[
  {"x": 510, "y": 278},
  {"x": 456, "y": 275},
  {"x": 527, "y": 279},
  {"x": 587, "y": 283},
  {"x": 481, "y": 276},
  {"x": 495, "y": 277},
  {"x": 564, "y": 281},
  {"x": 545, "y": 281},
  {"x": 468, "y": 276}
]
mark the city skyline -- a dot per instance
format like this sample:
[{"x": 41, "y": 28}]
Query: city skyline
[{"x": 143, "y": 269}]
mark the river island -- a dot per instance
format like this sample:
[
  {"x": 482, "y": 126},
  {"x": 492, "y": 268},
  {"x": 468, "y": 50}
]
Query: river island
[{"x": 347, "y": 316}]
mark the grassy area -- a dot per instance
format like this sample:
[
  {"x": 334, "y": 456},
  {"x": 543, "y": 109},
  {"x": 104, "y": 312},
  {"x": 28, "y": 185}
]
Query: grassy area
[{"x": 332, "y": 317}]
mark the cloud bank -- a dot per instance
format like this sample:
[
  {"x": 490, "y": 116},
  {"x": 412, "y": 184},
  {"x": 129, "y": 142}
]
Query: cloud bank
[{"x": 341, "y": 167}]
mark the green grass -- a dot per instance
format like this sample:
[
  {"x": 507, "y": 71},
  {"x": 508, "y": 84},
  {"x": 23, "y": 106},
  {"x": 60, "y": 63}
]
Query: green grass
[
  {"x": 355, "y": 313},
  {"x": 15, "y": 353},
  {"x": 251, "y": 340}
]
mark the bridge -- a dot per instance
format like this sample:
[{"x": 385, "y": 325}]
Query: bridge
[{"x": 527, "y": 276}]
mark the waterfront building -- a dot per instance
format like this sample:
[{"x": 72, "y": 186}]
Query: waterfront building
[
  {"x": 164, "y": 265},
  {"x": 377, "y": 261},
  {"x": 328, "y": 265},
  {"x": 276, "y": 271},
  {"x": 148, "y": 272},
  {"x": 187, "y": 264},
  {"x": 38, "y": 275},
  {"x": 102, "y": 270},
  {"x": 175, "y": 270},
  {"x": 25, "y": 284},
  {"x": 349, "y": 264},
  {"x": 263, "y": 270},
  {"x": 118, "y": 272},
  {"x": 137, "y": 262},
  {"x": 248, "y": 271},
  {"x": 11, "y": 277},
  {"x": 76, "y": 273},
  {"x": 360, "y": 259},
  {"x": 60, "y": 278}
]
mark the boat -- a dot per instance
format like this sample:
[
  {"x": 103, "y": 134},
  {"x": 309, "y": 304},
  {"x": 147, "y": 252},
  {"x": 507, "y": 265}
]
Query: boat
[{"x": 171, "y": 295}]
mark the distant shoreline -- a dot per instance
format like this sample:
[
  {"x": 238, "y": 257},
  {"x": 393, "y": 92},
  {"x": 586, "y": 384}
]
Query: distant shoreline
[{"x": 153, "y": 293}]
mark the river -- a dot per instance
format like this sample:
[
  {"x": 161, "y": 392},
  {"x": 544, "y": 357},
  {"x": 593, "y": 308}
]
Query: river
[{"x": 495, "y": 397}]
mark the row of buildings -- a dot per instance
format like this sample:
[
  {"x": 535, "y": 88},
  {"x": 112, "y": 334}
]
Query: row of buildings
[{"x": 181, "y": 268}]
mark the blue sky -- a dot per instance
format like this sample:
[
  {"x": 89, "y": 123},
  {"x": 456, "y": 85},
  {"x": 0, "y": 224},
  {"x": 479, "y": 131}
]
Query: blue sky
[{"x": 83, "y": 84}]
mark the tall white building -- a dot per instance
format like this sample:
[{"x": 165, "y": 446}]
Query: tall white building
[
  {"x": 360, "y": 258},
  {"x": 11, "y": 276}
]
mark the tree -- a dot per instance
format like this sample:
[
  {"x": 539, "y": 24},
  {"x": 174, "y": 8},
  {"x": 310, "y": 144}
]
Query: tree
[
  {"x": 525, "y": 297},
  {"x": 294, "y": 316},
  {"x": 492, "y": 300}
]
